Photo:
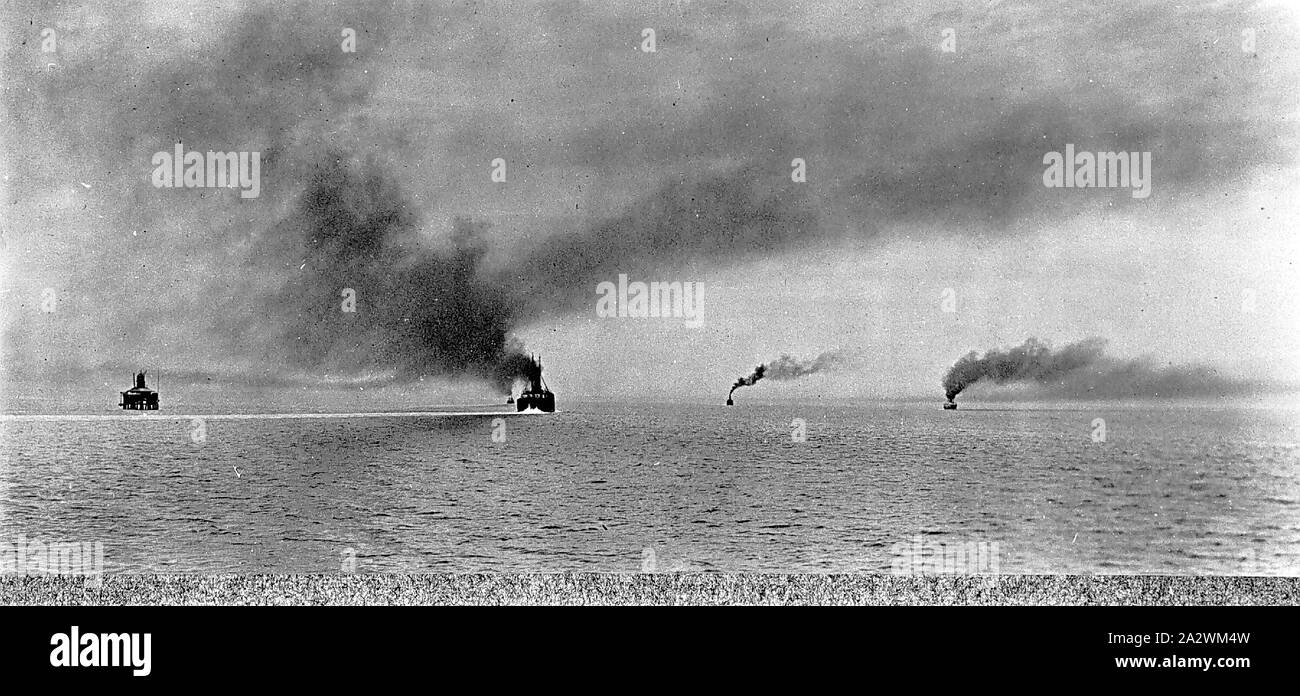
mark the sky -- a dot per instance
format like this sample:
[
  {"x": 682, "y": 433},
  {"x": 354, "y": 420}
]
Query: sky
[{"x": 922, "y": 229}]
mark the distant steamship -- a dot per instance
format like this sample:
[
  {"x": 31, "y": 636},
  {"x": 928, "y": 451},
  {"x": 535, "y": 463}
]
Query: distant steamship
[
  {"x": 139, "y": 397},
  {"x": 535, "y": 394}
]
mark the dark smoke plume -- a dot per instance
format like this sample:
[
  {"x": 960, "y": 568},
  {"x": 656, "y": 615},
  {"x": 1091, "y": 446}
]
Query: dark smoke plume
[
  {"x": 749, "y": 381},
  {"x": 788, "y": 367},
  {"x": 420, "y": 311},
  {"x": 1083, "y": 370}
]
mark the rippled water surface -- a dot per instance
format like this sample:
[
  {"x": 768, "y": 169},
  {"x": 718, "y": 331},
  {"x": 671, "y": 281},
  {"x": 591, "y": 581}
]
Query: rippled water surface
[{"x": 1171, "y": 489}]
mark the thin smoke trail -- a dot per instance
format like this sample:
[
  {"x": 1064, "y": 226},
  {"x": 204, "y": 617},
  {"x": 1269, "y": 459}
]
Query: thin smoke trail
[{"x": 788, "y": 367}]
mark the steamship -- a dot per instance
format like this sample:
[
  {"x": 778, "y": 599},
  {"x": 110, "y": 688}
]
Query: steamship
[
  {"x": 139, "y": 397},
  {"x": 535, "y": 394}
]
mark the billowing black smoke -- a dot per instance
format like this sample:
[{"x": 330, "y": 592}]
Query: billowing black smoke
[
  {"x": 373, "y": 296},
  {"x": 1033, "y": 362},
  {"x": 1083, "y": 370},
  {"x": 788, "y": 367}
]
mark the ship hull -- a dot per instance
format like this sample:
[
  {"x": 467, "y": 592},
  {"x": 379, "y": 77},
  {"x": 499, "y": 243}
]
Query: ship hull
[{"x": 542, "y": 401}]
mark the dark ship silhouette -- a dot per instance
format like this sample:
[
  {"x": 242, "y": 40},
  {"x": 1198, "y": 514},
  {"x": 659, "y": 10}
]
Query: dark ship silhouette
[
  {"x": 535, "y": 394},
  {"x": 139, "y": 397},
  {"x": 950, "y": 406}
]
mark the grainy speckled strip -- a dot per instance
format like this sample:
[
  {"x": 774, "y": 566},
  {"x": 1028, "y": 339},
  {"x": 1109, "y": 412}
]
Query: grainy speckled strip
[{"x": 658, "y": 588}]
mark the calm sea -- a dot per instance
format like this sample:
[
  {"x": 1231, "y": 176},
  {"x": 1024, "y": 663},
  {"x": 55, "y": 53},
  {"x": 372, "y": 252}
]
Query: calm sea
[{"x": 611, "y": 487}]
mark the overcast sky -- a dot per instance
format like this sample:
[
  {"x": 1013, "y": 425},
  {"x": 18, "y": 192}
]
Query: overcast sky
[{"x": 924, "y": 175}]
